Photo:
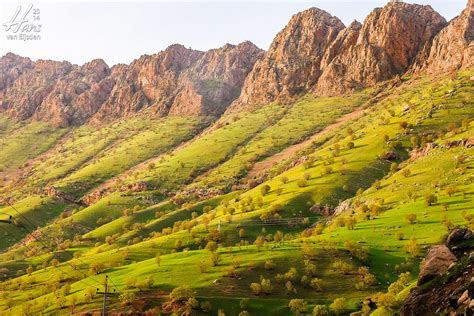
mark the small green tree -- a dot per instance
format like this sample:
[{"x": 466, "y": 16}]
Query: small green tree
[
  {"x": 320, "y": 310},
  {"x": 411, "y": 218},
  {"x": 256, "y": 288},
  {"x": 338, "y": 306},
  {"x": 297, "y": 306},
  {"x": 265, "y": 189},
  {"x": 430, "y": 199}
]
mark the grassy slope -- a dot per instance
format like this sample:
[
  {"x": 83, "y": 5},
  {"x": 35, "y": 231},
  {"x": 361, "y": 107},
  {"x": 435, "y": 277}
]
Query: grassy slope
[
  {"x": 306, "y": 117},
  {"x": 23, "y": 141},
  {"x": 361, "y": 166}
]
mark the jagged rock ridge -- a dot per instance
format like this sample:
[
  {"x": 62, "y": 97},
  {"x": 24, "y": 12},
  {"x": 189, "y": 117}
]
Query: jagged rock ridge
[
  {"x": 176, "y": 81},
  {"x": 314, "y": 53}
]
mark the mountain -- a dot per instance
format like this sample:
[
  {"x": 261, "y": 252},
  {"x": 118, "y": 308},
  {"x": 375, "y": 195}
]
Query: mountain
[
  {"x": 386, "y": 46},
  {"x": 452, "y": 48},
  {"x": 176, "y": 81},
  {"x": 315, "y": 53},
  {"x": 292, "y": 64},
  {"x": 329, "y": 175}
]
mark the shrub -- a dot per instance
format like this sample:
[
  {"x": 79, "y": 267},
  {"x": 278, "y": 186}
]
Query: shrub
[
  {"x": 203, "y": 266},
  {"x": 256, "y": 288},
  {"x": 266, "y": 286},
  {"x": 265, "y": 189},
  {"x": 338, "y": 306},
  {"x": 412, "y": 247},
  {"x": 320, "y": 310},
  {"x": 182, "y": 294},
  {"x": 317, "y": 284},
  {"x": 430, "y": 199},
  {"x": 269, "y": 265},
  {"x": 411, "y": 218},
  {"x": 302, "y": 183},
  {"x": 297, "y": 306}
]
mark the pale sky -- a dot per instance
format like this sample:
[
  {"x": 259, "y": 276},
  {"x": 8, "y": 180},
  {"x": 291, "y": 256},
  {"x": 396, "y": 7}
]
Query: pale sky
[{"x": 118, "y": 32}]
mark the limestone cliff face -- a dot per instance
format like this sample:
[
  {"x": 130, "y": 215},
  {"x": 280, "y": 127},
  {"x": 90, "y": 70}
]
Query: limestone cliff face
[
  {"x": 148, "y": 82},
  {"x": 215, "y": 80},
  {"x": 176, "y": 81},
  {"x": 314, "y": 53},
  {"x": 11, "y": 67},
  {"x": 452, "y": 48},
  {"x": 292, "y": 64},
  {"x": 25, "y": 95},
  {"x": 387, "y": 44}
]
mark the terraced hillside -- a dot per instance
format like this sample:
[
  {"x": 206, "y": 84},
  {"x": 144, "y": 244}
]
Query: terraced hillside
[
  {"x": 378, "y": 171},
  {"x": 312, "y": 178}
]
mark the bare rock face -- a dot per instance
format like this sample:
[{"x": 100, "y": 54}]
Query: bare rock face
[
  {"x": 176, "y": 81},
  {"x": 11, "y": 67},
  {"x": 452, "y": 48},
  {"x": 386, "y": 45},
  {"x": 292, "y": 64},
  {"x": 25, "y": 95},
  {"x": 437, "y": 262},
  {"x": 215, "y": 80},
  {"x": 150, "y": 81},
  {"x": 65, "y": 104}
]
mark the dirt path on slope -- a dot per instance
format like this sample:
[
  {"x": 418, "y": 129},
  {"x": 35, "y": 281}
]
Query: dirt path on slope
[{"x": 259, "y": 167}]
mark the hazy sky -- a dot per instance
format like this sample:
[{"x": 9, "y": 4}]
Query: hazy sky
[{"x": 121, "y": 31}]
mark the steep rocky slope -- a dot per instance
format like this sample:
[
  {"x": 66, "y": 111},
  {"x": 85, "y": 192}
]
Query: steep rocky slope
[
  {"x": 452, "y": 48},
  {"x": 446, "y": 283},
  {"x": 315, "y": 53},
  {"x": 292, "y": 64},
  {"x": 386, "y": 46},
  {"x": 177, "y": 81}
]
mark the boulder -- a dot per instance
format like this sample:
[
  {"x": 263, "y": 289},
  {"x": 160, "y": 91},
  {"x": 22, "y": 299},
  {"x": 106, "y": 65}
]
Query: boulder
[
  {"x": 457, "y": 236},
  {"x": 436, "y": 263}
]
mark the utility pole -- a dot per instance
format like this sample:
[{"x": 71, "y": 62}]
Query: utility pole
[{"x": 106, "y": 288}]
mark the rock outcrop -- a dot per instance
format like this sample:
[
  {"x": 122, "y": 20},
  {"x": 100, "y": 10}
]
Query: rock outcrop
[
  {"x": 452, "y": 48},
  {"x": 314, "y": 53},
  {"x": 292, "y": 64},
  {"x": 436, "y": 263},
  {"x": 446, "y": 283},
  {"x": 386, "y": 46},
  {"x": 176, "y": 81}
]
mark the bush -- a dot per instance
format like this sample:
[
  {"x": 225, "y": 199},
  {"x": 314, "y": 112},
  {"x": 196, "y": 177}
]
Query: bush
[
  {"x": 338, "y": 306},
  {"x": 256, "y": 288},
  {"x": 266, "y": 286},
  {"x": 302, "y": 183},
  {"x": 430, "y": 199},
  {"x": 265, "y": 189},
  {"x": 269, "y": 265},
  {"x": 182, "y": 294},
  {"x": 411, "y": 218},
  {"x": 320, "y": 310},
  {"x": 297, "y": 306}
]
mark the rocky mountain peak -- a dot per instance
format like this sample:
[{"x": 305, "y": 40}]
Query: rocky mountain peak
[
  {"x": 386, "y": 45},
  {"x": 452, "y": 48},
  {"x": 292, "y": 63}
]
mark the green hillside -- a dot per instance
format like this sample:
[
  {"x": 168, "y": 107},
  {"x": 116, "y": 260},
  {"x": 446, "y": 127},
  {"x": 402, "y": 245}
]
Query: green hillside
[{"x": 181, "y": 221}]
